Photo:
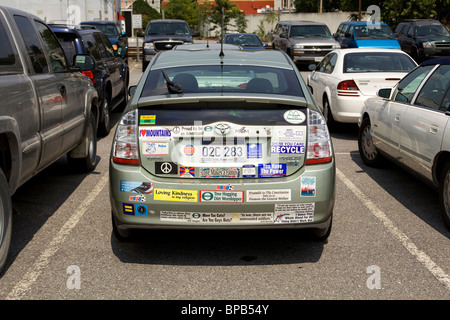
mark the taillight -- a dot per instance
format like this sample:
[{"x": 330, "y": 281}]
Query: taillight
[
  {"x": 89, "y": 74},
  {"x": 319, "y": 148},
  {"x": 347, "y": 88},
  {"x": 125, "y": 145}
]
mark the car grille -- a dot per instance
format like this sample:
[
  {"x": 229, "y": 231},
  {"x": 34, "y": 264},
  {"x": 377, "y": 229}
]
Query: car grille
[
  {"x": 318, "y": 47},
  {"x": 166, "y": 45},
  {"x": 443, "y": 45}
]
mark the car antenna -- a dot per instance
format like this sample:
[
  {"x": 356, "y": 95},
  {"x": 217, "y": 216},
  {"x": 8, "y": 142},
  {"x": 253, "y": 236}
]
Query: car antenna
[
  {"x": 171, "y": 84},
  {"x": 221, "y": 54}
]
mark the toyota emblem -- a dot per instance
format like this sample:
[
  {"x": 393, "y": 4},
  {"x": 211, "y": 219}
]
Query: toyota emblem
[{"x": 222, "y": 128}]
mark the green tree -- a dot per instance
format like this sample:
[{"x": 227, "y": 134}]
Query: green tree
[
  {"x": 148, "y": 13},
  {"x": 184, "y": 10},
  {"x": 230, "y": 10}
]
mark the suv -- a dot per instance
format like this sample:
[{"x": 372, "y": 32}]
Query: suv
[
  {"x": 118, "y": 39},
  {"x": 48, "y": 109},
  {"x": 303, "y": 41},
  {"x": 423, "y": 39},
  {"x": 363, "y": 34},
  {"x": 163, "y": 35},
  {"x": 109, "y": 73}
]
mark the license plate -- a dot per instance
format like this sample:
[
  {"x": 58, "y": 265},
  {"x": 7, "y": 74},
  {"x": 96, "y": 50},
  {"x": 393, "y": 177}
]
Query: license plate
[{"x": 217, "y": 153}]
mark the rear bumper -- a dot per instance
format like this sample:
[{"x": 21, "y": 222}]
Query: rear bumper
[{"x": 239, "y": 208}]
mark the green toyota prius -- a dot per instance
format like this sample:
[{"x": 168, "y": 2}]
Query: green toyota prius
[{"x": 222, "y": 139}]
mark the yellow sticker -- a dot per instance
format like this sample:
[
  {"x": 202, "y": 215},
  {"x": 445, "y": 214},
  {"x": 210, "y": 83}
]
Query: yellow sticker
[
  {"x": 147, "y": 119},
  {"x": 175, "y": 195}
]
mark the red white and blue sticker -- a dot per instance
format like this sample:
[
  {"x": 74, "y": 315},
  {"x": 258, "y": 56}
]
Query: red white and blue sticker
[{"x": 270, "y": 170}]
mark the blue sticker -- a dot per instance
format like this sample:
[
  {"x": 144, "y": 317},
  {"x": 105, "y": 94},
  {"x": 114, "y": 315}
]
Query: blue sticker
[
  {"x": 254, "y": 150},
  {"x": 248, "y": 171},
  {"x": 128, "y": 208},
  {"x": 141, "y": 210},
  {"x": 287, "y": 147},
  {"x": 269, "y": 170},
  {"x": 308, "y": 187}
]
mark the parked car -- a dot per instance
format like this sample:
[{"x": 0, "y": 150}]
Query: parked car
[
  {"x": 109, "y": 73},
  {"x": 363, "y": 34},
  {"x": 118, "y": 39},
  {"x": 423, "y": 39},
  {"x": 303, "y": 41},
  {"x": 345, "y": 78},
  {"x": 164, "y": 34},
  {"x": 409, "y": 124},
  {"x": 248, "y": 41},
  {"x": 48, "y": 109},
  {"x": 197, "y": 148}
]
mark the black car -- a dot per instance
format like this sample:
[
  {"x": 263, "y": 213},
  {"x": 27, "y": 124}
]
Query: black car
[
  {"x": 423, "y": 39},
  {"x": 109, "y": 72},
  {"x": 118, "y": 39}
]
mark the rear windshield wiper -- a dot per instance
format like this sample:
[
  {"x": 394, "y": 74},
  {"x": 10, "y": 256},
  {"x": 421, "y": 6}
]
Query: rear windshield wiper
[{"x": 171, "y": 84}]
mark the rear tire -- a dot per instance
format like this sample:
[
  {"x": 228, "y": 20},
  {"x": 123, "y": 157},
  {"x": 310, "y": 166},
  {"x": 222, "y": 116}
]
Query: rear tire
[
  {"x": 104, "y": 127},
  {"x": 444, "y": 195},
  {"x": 369, "y": 153},
  {"x": 5, "y": 220},
  {"x": 89, "y": 162}
]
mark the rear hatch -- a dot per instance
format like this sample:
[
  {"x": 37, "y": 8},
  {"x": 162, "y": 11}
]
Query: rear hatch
[{"x": 261, "y": 141}]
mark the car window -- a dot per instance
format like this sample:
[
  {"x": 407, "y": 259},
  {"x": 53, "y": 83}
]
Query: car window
[
  {"x": 349, "y": 32},
  {"x": 67, "y": 41},
  {"x": 33, "y": 44},
  {"x": 231, "y": 78},
  {"x": 108, "y": 45},
  {"x": 104, "y": 52},
  {"x": 321, "y": 66},
  {"x": 174, "y": 28},
  {"x": 433, "y": 91},
  {"x": 309, "y": 31},
  {"x": 445, "y": 105},
  {"x": 329, "y": 67},
  {"x": 408, "y": 86},
  {"x": 8, "y": 57},
  {"x": 432, "y": 30},
  {"x": 91, "y": 47},
  {"x": 377, "y": 62},
  {"x": 53, "y": 48},
  {"x": 377, "y": 32}
]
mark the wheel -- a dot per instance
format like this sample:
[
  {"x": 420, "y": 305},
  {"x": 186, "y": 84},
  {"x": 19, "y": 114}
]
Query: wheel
[
  {"x": 369, "y": 153},
  {"x": 5, "y": 220},
  {"x": 331, "y": 123},
  {"x": 121, "y": 235},
  {"x": 104, "y": 127},
  {"x": 89, "y": 162},
  {"x": 444, "y": 194}
]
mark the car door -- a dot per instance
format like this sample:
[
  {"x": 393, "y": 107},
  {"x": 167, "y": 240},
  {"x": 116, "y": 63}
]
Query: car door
[
  {"x": 387, "y": 121},
  {"x": 111, "y": 62},
  {"x": 424, "y": 123},
  {"x": 320, "y": 78},
  {"x": 73, "y": 89},
  {"x": 50, "y": 91}
]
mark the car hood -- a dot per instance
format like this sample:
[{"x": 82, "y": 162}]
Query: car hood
[
  {"x": 312, "y": 41},
  {"x": 151, "y": 38},
  {"x": 384, "y": 44}
]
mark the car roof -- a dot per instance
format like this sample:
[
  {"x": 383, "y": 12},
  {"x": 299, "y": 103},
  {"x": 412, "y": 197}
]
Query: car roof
[
  {"x": 441, "y": 60},
  {"x": 353, "y": 50},
  {"x": 72, "y": 29},
  {"x": 300, "y": 23},
  {"x": 206, "y": 46},
  {"x": 180, "y": 58},
  {"x": 99, "y": 22},
  {"x": 363, "y": 22},
  {"x": 167, "y": 21}
]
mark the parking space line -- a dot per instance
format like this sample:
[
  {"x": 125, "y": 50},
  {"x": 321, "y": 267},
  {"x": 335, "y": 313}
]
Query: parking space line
[
  {"x": 44, "y": 259},
  {"x": 419, "y": 255}
]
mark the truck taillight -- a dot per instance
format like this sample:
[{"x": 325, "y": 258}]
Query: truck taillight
[
  {"x": 319, "y": 148},
  {"x": 126, "y": 145}
]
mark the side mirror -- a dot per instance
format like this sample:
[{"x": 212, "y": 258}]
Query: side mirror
[
  {"x": 84, "y": 61},
  {"x": 196, "y": 34},
  {"x": 384, "y": 93},
  {"x": 122, "y": 52},
  {"x": 132, "y": 90},
  {"x": 124, "y": 34}
]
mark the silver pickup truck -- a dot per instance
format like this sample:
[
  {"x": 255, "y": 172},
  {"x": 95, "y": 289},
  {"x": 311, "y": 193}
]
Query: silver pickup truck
[{"x": 47, "y": 109}]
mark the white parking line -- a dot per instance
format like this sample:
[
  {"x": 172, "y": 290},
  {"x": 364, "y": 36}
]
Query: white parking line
[
  {"x": 44, "y": 259},
  {"x": 420, "y": 256}
]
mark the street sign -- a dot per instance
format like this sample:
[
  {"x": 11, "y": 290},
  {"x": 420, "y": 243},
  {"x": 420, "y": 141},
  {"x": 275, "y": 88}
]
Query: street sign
[{"x": 137, "y": 21}]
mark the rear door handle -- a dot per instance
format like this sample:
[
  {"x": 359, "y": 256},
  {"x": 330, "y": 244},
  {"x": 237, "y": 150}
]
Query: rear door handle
[{"x": 63, "y": 91}]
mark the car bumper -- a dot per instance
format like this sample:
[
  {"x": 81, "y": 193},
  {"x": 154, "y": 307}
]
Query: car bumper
[
  {"x": 348, "y": 109},
  {"x": 251, "y": 203}
]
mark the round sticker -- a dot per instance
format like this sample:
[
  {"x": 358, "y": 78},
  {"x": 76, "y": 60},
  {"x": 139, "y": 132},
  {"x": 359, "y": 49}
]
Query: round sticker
[{"x": 294, "y": 116}]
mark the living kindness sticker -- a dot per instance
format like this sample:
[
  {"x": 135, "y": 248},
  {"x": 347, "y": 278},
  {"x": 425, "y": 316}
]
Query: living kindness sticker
[{"x": 175, "y": 195}]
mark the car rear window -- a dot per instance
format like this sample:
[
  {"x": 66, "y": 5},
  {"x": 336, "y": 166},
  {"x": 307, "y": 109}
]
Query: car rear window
[
  {"x": 377, "y": 62},
  {"x": 223, "y": 79}
]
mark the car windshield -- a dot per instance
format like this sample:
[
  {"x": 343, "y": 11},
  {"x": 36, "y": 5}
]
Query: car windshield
[
  {"x": 108, "y": 29},
  {"x": 432, "y": 30},
  {"x": 367, "y": 32},
  {"x": 238, "y": 79},
  {"x": 377, "y": 62},
  {"x": 244, "y": 40},
  {"x": 309, "y": 32},
  {"x": 164, "y": 28}
]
